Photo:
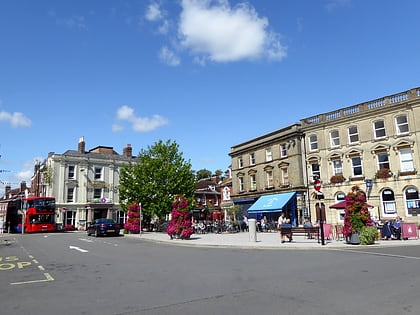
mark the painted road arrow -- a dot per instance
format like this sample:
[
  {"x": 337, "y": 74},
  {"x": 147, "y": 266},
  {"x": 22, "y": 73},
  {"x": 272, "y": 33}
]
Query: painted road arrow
[{"x": 79, "y": 249}]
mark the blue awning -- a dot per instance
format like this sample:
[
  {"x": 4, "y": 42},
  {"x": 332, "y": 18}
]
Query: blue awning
[{"x": 271, "y": 203}]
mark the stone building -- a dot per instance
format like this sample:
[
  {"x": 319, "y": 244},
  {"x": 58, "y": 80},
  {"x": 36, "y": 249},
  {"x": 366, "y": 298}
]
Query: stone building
[
  {"x": 374, "y": 145},
  {"x": 84, "y": 183},
  {"x": 271, "y": 165}
]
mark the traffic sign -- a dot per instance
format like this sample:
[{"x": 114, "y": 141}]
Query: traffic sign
[{"x": 317, "y": 184}]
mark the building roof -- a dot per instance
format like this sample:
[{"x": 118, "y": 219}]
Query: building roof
[{"x": 100, "y": 155}]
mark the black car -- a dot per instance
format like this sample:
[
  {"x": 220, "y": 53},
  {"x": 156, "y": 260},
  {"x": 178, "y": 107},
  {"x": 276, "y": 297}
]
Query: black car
[{"x": 103, "y": 227}]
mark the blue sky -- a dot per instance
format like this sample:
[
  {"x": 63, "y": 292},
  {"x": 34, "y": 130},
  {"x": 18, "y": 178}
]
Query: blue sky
[{"x": 207, "y": 74}]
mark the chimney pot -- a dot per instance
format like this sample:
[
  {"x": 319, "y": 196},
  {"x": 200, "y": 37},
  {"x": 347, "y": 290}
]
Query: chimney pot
[
  {"x": 128, "y": 151},
  {"x": 81, "y": 145}
]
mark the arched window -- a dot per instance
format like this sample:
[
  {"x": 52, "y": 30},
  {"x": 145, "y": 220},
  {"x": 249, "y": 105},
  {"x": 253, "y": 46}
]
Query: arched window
[
  {"x": 340, "y": 196},
  {"x": 412, "y": 201},
  {"x": 388, "y": 202}
]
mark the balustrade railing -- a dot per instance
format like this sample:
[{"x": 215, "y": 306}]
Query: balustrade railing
[{"x": 359, "y": 108}]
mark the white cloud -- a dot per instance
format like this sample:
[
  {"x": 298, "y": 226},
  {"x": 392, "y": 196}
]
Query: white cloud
[
  {"x": 15, "y": 119},
  {"x": 25, "y": 174},
  {"x": 116, "y": 128},
  {"x": 164, "y": 27},
  {"x": 153, "y": 12},
  {"x": 73, "y": 22},
  {"x": 222, "y": 34},
  {"x": 168, "y": 57},
  {"x": 331, "y": 5},
  {"x": 125, "y": 113},
  {"x": 148, "y": 124},
  {"x": 140, "y": 124}
]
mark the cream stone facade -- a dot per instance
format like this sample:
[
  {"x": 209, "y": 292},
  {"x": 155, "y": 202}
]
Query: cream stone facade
[
  {"x": 374, "y": 145},
  {"x": 270, "y": 164},
  {"x": 85, "y": 183}
]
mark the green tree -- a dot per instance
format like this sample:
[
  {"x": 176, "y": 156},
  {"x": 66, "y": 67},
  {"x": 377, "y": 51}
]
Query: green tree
[
  {"x": 159, "y": 174},
  {"x": 203, "y": 173}
]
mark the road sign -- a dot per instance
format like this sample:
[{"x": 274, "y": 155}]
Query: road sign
[{"x": 317, "y": 184}]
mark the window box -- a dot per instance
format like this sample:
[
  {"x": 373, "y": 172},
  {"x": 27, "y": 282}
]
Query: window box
[
  {"x": 337, "y": 179},
  {"x": 383, "y": 173},
  {"x": 406, "y": 173}
]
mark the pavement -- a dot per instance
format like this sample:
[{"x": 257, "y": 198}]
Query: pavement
[{"x": 263, "y": 240}]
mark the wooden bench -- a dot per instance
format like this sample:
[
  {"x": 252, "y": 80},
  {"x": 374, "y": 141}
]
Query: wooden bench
[{"x": 307, "y": 231}]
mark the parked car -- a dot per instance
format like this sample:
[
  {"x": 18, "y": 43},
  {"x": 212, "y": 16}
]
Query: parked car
[{"x": 103, "y": 227}]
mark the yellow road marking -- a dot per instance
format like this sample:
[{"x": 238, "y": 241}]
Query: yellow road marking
[
  {"x": 47, "y": 278},
  {"x": 41, "y": 268}
]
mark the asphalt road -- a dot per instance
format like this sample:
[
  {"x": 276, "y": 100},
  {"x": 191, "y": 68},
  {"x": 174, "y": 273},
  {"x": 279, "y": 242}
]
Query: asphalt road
[{"x": 70, "y": 273}]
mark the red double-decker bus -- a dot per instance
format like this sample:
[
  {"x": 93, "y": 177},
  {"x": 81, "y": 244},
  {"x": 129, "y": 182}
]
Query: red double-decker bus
[{"x": 40, "y": 214}]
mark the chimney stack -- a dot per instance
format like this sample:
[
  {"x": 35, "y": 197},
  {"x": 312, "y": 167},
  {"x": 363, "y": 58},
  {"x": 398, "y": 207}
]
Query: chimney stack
[
  {"x": 128, "y": 151},
  {"x": 81, "y": 146},
  {"x": 22, "y": 186},
  {"x": 8, "y": 188}
]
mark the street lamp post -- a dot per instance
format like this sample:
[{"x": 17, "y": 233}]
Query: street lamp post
[{"x": 140, "y": 219}]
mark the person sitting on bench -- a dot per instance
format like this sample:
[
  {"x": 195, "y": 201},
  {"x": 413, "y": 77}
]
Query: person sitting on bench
[{"x": 285, "y": 223}]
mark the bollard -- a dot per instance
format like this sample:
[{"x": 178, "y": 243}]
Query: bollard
[{"x": 252, "y": 230}]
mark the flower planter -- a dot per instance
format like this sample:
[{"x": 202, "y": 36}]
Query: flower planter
[
  {"x": 383, "y": 173},
  {"x": 354, "y": 238},
  {"x": 337, "y": 179}
]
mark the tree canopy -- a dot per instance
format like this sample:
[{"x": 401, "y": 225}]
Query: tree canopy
[
  {"x": 203, "y": 173},
  {"x": 159, "y": 174}
]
